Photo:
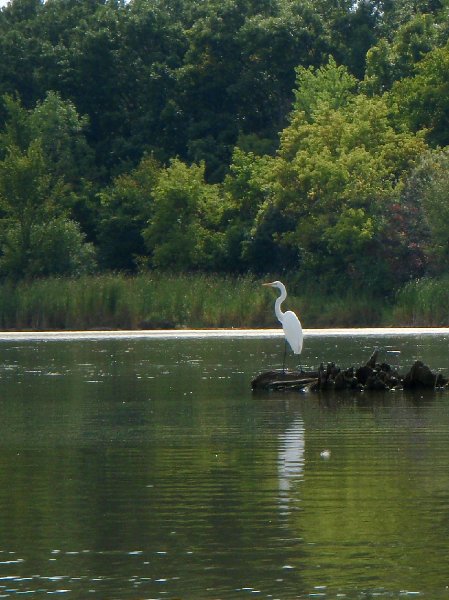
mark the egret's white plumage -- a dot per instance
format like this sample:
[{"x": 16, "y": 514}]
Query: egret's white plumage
[{"x": 290, "y": 322}]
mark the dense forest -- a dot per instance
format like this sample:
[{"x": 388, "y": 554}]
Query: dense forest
[{"x": 226, "y": 136}]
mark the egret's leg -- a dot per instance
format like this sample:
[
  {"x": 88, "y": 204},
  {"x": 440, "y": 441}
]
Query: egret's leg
[{"x": 285, "y": 354}]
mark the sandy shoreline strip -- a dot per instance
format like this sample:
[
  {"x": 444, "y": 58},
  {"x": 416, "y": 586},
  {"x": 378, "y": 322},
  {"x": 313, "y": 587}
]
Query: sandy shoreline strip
[{"x": 213, "y": 333}]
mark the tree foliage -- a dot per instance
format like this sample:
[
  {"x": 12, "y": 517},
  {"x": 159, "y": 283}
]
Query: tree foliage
[
  {"x": 183, "y": 232},
  {"x": 226, "y": 135},
  {"x": 422, "y": 100},
  {"x": 340, "y": 167},
  {"x": 38, "y": 237},
  {"x": 126, "y": 207},
  {"x": 428, "y": 190}
]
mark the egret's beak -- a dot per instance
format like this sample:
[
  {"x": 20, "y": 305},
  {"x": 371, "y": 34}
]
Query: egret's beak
[{"x": 267, "y": 284}]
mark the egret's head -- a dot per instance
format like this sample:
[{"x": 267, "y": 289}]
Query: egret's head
[{"x": 275, "y": 284}]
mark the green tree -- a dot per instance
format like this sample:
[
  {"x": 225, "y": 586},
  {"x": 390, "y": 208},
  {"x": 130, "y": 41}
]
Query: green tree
[
  {"x": 388, "y": 62},
  {"x": 381, "y": 71},
  {"x": 126, "y": 207},
  {"x": 393, "y": 14},
  {"x": 329, "y": 87},
  {"x": 16, "y": 131},
  {"x": 37, "y": 149},
  {"x": 37, "y": 238},
  {"x": 184, "y": 230},
  {"x": 352, "y": 34},
  {"x": 422, "y": 101},
  {"x": 62, "y": 132},
  {"x": 55, "y": 247},
  {"x": 20, "y": 49},
  {"x": 238, "y": 74},
  {"x": 68, "y": 157},
  {"x": 336, "y": 176},
  {"x": 115, "y": 62},
  {"x": 26, "y": 190},
  {"x": 428, "y": 188},
  {"x": 244, "y": 191}
]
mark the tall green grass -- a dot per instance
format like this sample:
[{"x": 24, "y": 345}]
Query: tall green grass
[
  {"x": 351, "y": 309},
  {"x": 424, "y": 302},
  {"x": 161, "y": 301},
  {"x": 353, "y": 306},
  {"x": 144, "y": 301}
]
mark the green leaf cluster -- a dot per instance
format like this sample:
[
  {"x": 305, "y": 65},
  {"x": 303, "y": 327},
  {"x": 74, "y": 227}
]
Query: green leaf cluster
[
  {"x": 38, "y": 237},
  {"x": 183, "y": 233}
]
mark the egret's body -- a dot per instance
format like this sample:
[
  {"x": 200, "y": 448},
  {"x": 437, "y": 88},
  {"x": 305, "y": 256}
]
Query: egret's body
[
  {"x": 289, "y": 321},
  {"x": 293, "y": 331}
]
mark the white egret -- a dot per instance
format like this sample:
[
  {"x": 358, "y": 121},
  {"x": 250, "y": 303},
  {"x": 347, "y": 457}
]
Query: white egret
[{"x": 289, "y": 321}]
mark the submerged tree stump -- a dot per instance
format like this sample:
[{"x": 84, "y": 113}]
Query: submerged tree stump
[{"x": 372, "y": 376}]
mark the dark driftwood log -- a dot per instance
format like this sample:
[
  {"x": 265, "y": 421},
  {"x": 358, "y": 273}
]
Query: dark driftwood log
[
  {"x": 279, "y": 380},
  {"x": 370, "y": 376}
]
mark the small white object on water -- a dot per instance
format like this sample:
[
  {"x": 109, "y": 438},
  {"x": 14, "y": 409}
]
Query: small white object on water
[{"x": 325, "y": 454}]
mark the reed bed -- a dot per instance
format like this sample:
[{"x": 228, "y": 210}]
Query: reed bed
[
  {"x": 424, "y": 302},
  {"x": 163, "y": 301},
  {"x": 353, "y": 307},
  {"x": 115, "y": 301}
]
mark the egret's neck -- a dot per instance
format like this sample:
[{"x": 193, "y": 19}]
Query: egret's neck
[{"x": 277, "y": 305}]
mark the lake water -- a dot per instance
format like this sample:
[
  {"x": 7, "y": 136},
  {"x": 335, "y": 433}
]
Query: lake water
[{"x": 143, "y": 467}]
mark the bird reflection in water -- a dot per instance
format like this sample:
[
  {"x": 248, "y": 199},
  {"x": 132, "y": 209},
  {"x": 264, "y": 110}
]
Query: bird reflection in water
[{"x": 290, "y": 462}]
